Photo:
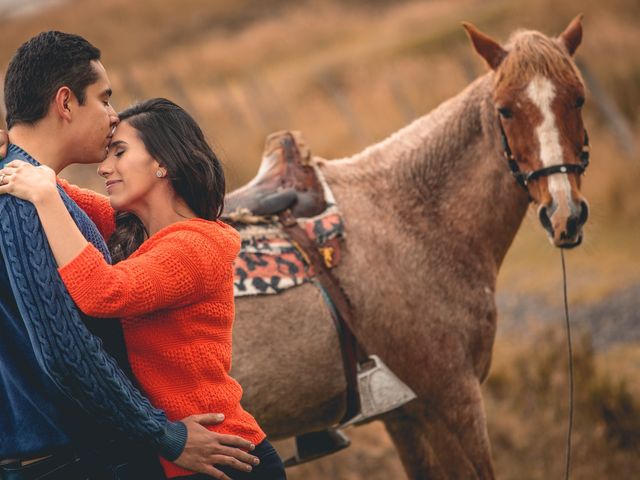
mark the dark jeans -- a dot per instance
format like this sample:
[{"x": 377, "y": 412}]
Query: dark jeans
[{"x": 270, "y": 468}]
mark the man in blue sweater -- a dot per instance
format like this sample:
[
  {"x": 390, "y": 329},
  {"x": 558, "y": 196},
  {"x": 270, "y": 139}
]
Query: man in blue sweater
[{"x": 57, "y": 96}]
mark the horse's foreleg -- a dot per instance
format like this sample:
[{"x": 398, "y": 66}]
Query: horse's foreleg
[
  {"x": 457, "y": 430},
  {"x": 428, "y": 449},
  {"x": 447, "y": 440},
  {"x": 407, "y": 431}
]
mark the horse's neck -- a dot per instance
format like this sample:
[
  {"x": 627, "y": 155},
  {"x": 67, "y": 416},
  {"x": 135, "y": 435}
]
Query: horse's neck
[{"x": 447, "y": 169}]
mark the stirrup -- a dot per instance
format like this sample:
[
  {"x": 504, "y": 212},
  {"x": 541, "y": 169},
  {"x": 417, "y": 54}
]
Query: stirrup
[
  {"x": 313, "y": 445},
  {"x": 380, "y": 390}
]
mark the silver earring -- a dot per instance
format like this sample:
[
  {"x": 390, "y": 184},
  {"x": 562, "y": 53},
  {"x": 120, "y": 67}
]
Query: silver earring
[{"x": 159, "y": 173}]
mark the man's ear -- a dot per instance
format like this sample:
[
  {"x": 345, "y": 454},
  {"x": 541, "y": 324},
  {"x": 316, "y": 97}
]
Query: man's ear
[
  {"x": 63, "y": 101},
  {"x": 4, "y": 142}
]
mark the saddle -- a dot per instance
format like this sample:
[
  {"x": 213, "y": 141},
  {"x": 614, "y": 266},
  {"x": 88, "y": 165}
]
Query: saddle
[{"x": 285, "y": 181}]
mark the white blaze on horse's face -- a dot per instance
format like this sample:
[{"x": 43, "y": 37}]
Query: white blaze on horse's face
[
  {"x": 542, "y": 93},
  {"x": 564, "y": 215}
]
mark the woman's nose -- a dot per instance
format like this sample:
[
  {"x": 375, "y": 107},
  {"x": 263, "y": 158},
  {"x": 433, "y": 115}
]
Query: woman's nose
[{"x": 104, "y": 168}]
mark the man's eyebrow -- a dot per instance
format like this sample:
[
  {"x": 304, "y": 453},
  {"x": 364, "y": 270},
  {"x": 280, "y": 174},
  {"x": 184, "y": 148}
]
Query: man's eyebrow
[{"x": 107, "y": 92}]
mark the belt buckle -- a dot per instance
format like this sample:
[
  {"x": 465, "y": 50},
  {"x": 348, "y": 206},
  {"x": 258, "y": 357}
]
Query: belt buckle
[
  {"x": 30, "y": 461},
  {"x": 17, "y": 462}
]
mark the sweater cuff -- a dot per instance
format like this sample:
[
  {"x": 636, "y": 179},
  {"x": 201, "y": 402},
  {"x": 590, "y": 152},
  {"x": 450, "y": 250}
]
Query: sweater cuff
[
  {"x": 173, "y": 441},
  {"x": 84, "y": 262},
  {"x": 75, "y": 273}
]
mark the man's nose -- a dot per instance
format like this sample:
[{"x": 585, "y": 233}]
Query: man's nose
[{"x": 113, "y": 116}]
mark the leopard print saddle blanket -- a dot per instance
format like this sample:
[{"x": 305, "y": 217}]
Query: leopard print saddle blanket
[{"x": 269, "y": 262}]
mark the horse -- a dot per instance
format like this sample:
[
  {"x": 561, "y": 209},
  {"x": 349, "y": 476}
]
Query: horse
[{"x": 430, "y": 213}]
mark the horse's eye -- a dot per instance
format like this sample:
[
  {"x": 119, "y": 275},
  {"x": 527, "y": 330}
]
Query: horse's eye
[
  {"x": 505, "y": 112},
  {"x": 579, "y": 102}
]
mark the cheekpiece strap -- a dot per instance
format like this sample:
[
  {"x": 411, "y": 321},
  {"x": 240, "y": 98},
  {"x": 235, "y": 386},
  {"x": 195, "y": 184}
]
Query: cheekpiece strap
[{"x": 523, "y": 178}]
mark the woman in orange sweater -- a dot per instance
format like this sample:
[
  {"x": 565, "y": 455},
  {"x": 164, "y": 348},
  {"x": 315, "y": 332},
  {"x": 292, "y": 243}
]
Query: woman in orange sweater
[{"x": 172, "y": 278}]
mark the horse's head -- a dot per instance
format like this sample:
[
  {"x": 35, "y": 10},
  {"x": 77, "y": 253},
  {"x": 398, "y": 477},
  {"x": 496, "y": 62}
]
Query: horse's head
[{"x": 538, "y": 97}]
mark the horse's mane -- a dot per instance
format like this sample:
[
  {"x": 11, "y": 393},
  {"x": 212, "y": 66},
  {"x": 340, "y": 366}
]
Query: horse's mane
[
  {"x": 428, "y": 137},
  {"x": 532, "y": 53}
]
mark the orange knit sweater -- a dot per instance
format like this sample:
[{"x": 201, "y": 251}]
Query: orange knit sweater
[{"x": 175, "y": 298}]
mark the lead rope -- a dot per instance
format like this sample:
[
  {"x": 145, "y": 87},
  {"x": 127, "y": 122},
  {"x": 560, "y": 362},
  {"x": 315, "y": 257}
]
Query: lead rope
[{"x": 570, "y": 351}]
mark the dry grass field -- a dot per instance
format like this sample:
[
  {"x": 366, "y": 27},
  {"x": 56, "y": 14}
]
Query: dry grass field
[{"x": 347, "y": 74}]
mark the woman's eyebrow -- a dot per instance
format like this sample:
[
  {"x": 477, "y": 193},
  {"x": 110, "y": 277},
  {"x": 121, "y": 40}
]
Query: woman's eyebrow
[{"x": 117, "y": 143}]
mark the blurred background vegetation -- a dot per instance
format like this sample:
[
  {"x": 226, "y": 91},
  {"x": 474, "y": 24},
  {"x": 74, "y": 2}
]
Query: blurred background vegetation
[{"x": 347, "y": 74}]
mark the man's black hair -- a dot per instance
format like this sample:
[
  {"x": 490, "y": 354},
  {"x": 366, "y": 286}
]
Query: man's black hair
[{"x": 41, "y": 66}]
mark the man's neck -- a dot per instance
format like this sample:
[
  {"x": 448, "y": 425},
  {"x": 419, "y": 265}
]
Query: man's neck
[{"x": 41, "y": 144}]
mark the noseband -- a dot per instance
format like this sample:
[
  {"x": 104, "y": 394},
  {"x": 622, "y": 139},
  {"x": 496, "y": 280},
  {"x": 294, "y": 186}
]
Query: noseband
[{"x": 523, "y": 178}]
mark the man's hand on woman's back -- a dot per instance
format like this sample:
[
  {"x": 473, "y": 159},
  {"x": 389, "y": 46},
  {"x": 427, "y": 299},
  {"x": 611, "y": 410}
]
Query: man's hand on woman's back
[{"x": 205, "y": 448}]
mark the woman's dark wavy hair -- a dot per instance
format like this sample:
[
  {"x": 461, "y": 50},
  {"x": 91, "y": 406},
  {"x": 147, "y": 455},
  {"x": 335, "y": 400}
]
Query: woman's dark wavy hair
[{"x": 175, "y": 140}]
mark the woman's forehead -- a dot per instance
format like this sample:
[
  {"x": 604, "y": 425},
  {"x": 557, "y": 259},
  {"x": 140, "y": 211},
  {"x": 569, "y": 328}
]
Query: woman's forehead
[{"x": 124, "y": 131}]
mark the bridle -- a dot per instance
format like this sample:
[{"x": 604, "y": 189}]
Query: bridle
[{"x": 523, "y": 178}]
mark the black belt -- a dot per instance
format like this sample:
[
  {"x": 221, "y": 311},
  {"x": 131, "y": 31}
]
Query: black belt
[{"x": 67, "y": 466}]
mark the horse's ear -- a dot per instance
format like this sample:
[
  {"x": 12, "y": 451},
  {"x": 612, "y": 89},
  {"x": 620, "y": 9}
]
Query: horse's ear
[
  {"x": 572, "y": 35},
  {"x": 487, "y": 47}
]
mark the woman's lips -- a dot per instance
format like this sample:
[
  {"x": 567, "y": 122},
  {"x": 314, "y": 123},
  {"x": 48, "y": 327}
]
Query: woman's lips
[{"x": 110, "y": 183}]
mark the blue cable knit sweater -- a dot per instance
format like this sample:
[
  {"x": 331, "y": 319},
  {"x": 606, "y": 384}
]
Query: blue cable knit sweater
[{"x": 50, "y": 362}]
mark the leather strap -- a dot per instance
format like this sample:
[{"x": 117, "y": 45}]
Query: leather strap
[
  {"x": 523, "y": 178},
  {"x": 342, "y": 309}
]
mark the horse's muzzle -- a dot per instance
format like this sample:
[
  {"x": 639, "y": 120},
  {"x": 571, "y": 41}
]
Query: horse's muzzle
[{"x": 565, "y": 231}]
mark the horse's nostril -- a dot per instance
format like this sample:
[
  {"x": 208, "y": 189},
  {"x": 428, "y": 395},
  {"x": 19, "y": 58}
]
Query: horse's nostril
[
  {"x": 572, "y": 227},
  {"x": 584, "y": 213},
  {"x": 544, "y": 220}
]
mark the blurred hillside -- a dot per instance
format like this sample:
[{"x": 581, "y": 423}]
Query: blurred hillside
[{"x": 347, "y": 74}]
